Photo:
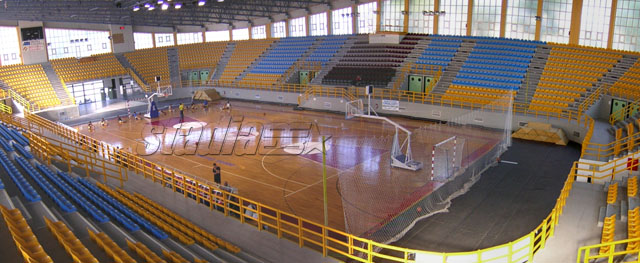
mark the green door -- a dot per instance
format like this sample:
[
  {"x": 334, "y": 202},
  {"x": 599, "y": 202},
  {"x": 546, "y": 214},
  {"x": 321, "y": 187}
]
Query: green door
[
  {"x": 204, "y": 76},
  {"x": 304, "y": 77},
  {"x": 416, "y": 83},
  {"x": 616, "y": 108},
  {"x": 427, "y": 83}
]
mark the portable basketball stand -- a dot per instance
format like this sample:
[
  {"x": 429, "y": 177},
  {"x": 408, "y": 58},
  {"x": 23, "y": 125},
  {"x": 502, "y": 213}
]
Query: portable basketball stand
[
  {"x": 152, "y": 108},
  {"x": 399, "y": 159}
]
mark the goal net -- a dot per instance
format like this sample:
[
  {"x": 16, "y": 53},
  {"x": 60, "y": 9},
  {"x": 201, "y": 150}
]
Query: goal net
[{"x": 446, "y": 158}]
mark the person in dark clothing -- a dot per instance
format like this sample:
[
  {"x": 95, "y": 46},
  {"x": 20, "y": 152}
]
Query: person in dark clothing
[{"x": 216, "y": 174}]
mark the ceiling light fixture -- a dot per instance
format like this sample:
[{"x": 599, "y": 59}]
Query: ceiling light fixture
[
  {"x": 136, "y": 8},
  {"x": 177, "y": 5},
  {"x": 151, "y": 7},
  {"x": 220, "y": 1},
  {"x": 165, "y": 6},
  {"x": 147, "y": 5},
  {"x": 201, "y": 2},
  {"x": 160, "y": 2}
]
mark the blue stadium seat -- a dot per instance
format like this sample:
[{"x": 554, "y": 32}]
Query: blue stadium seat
[
  {"x": 23, "y": 185},
  {"x": 51, "y": 191},
  {"x": 155, "y": 231}
]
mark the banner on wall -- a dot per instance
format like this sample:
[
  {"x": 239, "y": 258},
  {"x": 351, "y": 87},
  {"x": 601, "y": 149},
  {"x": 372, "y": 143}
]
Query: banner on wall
[
  {"x": 33, "y": 45},
  {"x": 392, "y": 105}
]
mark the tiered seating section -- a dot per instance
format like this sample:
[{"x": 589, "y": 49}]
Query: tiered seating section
[
  {"x": 497, "y": 64},
  {"x": 243, "y": 55},
  {"x": 25, "y": 240},
  {"x": 200, "y": 55},
  {"x": 72, "y": 70},
  {"x": 327, "y": 48},
  {"x": 375, "y": 64},
  {"x": 568, "y": 75},
  {"x": 131, "y": 212},
  {"x": 150, "y": 63},
  {"x": 440, "y": 51},
  {"x": 30, "y": 82},
  {"x": 629, "y": 84},
  {"x": 476, "y": 95},
  {"x": 278, "y": 60}
]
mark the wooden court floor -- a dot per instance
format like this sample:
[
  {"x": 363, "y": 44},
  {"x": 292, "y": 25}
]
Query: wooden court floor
[{"x": 272, "y": 155}]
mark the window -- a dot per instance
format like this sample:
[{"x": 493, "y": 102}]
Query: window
[
  {"x": 213, "y": 36},
  {"x": 521, "y": 19},
  {"x": 454, "y": 20},
  {"x": 142, "y": 40},
  {"x": 163, "y": 40},
  {"x": 556, "y": 21},
  {"x": 486, "y": 18},
  {"x": 367, "y": 18},
  {"x": 420, "y": 20},
  {"x": 342, "y": 21},
  {"x": 297, "y": 27},
  {"x": 626, "y": 34},
  {"x": 391, "y": 18},
  {"x": 240, "y": 34},
  {"x": 10, "y": 48},
  {"x": 278, "y": 29},
  {"x": 87, "y": 92},
  {"x": 259, "y": 32},
  {"x": 189, "y": 38},
  {"x": 318, "y": 24},
  {"x": 79, "y": 42}
]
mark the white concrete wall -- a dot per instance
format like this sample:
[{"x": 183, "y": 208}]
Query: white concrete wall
[{"x": 127, "y": 32}]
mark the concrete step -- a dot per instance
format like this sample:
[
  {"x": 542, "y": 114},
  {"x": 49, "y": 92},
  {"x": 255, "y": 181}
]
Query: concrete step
[{"x": 56, "y": 83}]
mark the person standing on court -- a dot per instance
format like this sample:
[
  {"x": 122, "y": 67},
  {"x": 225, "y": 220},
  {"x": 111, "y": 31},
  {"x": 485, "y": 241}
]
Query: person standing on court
[
  {"x": 216, "y": 174},
  {"x": 181, "y": 108}
]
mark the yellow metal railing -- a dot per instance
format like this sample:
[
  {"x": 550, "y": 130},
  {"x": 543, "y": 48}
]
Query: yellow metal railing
[
  {"x": 71, "y": 98},
  {"x": 139, "y": 81},
  {"x": 615, "y": 251},
  {"x": 85, "y": 151},
  {"x": 28, "y": 106},
  {"x": 622, "y": 113},
  {"x": 5, "y": 108}
]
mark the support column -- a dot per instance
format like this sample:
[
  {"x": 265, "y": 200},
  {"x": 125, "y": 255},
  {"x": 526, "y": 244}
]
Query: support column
[
  {"x": 287, "y": 30},
  {"x": 153, "y": 37},
  {"x": 267, "y": 30},
  {"x": 612, "y": 23},
  {"x": 230, "y": 34},
  {"x": 576, "y": 16},
  {"x": 306, "y": 25},
  {"x": 175, "y": 38},
  {"x": 250, "y": 32},
  {"x": 329, "y": 22},
  {"x": 405, "y": 16},
  {"x": 503, "y": 18},
  {"x": 469, "y": 17},
  {"x": 539, "y": 21},
  {"x": 378, "y": 13},
  {"x": 436, "y": 18},
  {"x": 354, "y": 19},
  {"x": 204, "y": 35}
]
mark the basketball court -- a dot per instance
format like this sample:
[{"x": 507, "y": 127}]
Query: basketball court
[{"x": 285, "y": 169}]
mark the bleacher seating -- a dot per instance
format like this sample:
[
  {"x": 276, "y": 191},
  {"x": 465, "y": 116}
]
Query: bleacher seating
[
  {"x": 31, "y": 82},
  {"x": 328, "y": 47},
  {"x": 49, "y": 189},
  {"x": 144, "y": 252},
  {"x": 138, "y": 219},
  {"x": 102, "y": 66},
  {"x": 89, "y": 208},
  {"x": 111, "y": 248},
  {"x": 277, "y": 61},
  {"x": 629, "y": 84},
  {"x": 150, "y": 63},
  {"x": 243, "y": 55},
  {"x": 570, "y": 73},
  {"x": 104, "y": 206},
  {"x": 477, "y": 95},
  {"x": 23, "y": 185},
  {"x": 23, "y": 237},
  {"x": 496, "y": 64},
  {"x": 70, "y": 242},
  {"x": 440, "y": 51},
  {"x": 200, "y": 55}
]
